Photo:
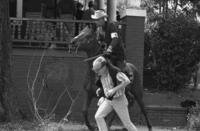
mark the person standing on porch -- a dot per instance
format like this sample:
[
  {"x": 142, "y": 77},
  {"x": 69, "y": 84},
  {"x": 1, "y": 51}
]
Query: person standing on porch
[
  {"x": 87, "y": 14},
  {"x": 79, "y": 15},
  {"x": 90, "y": 11}
]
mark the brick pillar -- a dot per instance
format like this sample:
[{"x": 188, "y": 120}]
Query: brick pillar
[{"x": 134, "y": 36}]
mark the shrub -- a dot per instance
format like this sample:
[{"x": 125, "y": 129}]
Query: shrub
[
  {"x": 193, "y": 117},
  {"x": 175, "y": 46}
]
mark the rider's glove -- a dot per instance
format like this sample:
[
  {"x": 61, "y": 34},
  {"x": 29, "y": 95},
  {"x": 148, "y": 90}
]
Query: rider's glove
[
  {"x": 109, "y": 49},
  {"x": 107, "y": 54}
]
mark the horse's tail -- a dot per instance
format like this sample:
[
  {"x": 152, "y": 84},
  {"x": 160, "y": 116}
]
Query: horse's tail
[{"x": 136, "y": 84}]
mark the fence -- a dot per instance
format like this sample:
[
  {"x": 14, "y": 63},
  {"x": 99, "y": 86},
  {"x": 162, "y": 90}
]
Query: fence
[{"x": 37, "y": 32}]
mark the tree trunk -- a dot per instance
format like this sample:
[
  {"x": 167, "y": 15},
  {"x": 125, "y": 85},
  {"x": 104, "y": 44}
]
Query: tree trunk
[{"x": 8, "y": 102}]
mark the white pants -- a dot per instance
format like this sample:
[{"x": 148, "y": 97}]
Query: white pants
[{"x": 120, "y": 105}]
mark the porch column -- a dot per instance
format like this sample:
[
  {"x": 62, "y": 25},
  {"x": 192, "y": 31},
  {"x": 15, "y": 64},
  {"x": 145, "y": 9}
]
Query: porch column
[
  {"x": 19, "y": 8},
  {"x": 134, "y": 36},
  {"x": 111, "y": 10},
  {"x": 100, "y": 4}
]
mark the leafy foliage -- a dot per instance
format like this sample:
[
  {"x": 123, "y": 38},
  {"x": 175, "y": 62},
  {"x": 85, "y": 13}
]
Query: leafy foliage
[
  {"x": 193, "y": 117},
  {"x": 174, "y": 46}
]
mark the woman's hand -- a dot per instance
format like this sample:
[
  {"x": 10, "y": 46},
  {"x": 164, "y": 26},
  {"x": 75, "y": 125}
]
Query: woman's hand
[{"x": 110, "y": 92}]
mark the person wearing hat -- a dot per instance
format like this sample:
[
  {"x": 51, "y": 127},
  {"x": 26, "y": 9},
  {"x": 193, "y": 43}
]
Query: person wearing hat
[
  {"x": 108, "y": 33},
  {"x": 90, "y": 11},
  {"x": 79, "y": 15},
  {"x": 113, "y": 83}
]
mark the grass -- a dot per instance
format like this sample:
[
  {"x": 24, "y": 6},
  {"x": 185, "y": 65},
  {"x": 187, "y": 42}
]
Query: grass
[
  {"x": 53, "y": 126},
  {"x": 157, "y": 98}
]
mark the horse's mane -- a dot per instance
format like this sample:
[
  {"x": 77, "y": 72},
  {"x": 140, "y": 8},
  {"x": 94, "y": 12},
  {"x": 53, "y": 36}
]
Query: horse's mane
[{"x": 87, "y": 32}]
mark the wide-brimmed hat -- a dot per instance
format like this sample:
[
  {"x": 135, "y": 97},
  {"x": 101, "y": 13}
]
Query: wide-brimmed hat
[{"x": 99, "y": 14}]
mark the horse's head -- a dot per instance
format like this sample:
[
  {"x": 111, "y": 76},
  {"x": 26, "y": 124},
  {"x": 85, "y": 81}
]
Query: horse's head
[{"x": 86, "y": 40}]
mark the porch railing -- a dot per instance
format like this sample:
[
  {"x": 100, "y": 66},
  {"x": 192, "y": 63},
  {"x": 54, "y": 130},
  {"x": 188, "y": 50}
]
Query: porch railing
[{"x": 42, "y": 33}]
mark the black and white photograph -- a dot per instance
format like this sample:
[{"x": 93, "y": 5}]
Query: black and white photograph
[{"x": 99, "y": 65}]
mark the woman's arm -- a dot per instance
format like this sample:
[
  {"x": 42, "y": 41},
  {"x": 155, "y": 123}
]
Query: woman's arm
[{"x": 124, "y": 81}]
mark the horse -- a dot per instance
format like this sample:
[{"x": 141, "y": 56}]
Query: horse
[{"x": 86, "y": 41}]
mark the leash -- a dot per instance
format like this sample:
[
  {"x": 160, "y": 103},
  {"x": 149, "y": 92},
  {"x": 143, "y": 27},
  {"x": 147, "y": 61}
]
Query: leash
[{"x": 92, "y": 58}]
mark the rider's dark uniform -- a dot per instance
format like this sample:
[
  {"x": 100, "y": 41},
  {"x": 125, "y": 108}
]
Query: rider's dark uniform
[
  {"x": 116, "y": 49},
  {"x": 114, "y": 43}
]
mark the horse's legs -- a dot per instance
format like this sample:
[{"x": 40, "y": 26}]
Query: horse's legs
[
  {"x": 112, "y": 117},
  {"x": 86, "y": 105},
  {"x": 141, "y": 104},
  {"x": 195, "y": 79}
]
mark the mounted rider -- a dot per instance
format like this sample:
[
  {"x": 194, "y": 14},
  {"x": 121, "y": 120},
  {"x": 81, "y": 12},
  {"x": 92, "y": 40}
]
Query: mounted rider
[{"x": 108, "y": 34}]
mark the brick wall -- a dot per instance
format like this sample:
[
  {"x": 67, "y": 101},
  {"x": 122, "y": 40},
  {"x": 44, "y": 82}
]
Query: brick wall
[
  {"x": 134, "y": 38},
  {"x": 167, "y": 116},
  {"x": 62, "y": 70}
]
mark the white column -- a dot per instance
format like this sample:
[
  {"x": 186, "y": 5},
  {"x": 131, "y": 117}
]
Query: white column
[
  {"x": 19, "y": 8},
  {"x": 100, "y": 4},
  {"x": 111, "y": 10}
]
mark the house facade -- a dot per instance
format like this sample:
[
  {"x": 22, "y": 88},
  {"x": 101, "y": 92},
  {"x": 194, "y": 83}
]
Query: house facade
[{"x": 61, "y": 69}]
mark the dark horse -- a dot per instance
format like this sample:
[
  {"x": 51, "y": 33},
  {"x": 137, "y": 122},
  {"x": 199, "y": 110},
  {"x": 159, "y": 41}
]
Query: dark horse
[{"x": 87, "y": 42}]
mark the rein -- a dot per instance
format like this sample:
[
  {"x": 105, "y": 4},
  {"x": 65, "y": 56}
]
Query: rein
[
  {"x": 83, "y": 34},
  {"x": 96, "y": 55},
  {"x": 92, "y": 58}
]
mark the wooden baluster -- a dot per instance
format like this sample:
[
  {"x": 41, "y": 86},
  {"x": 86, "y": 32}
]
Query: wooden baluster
[
  {"x": 64, "y": 31},
  {"x": 31, "y": 37},
  {"x": 49, "y": 35},
  {"x": 39, "y": 30},
  {"x": 56, "y": 31},
  {"x": 36, "y": 30},
  {"x": 27, "y": 30},
  {"x": 43, "y": 31},
  {"x": 12, "y": 26},
  {"x": 32, "y": 30},
  {"x": 19, "y": 24},
  {"x": 61, "y": 31},
  {"x": 50, "y": 26}
]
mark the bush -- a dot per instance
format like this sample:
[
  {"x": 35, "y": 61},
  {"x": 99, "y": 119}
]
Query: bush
[
  {"x": 193, "y": 117},
  {"x": 175, "y": 46}
]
